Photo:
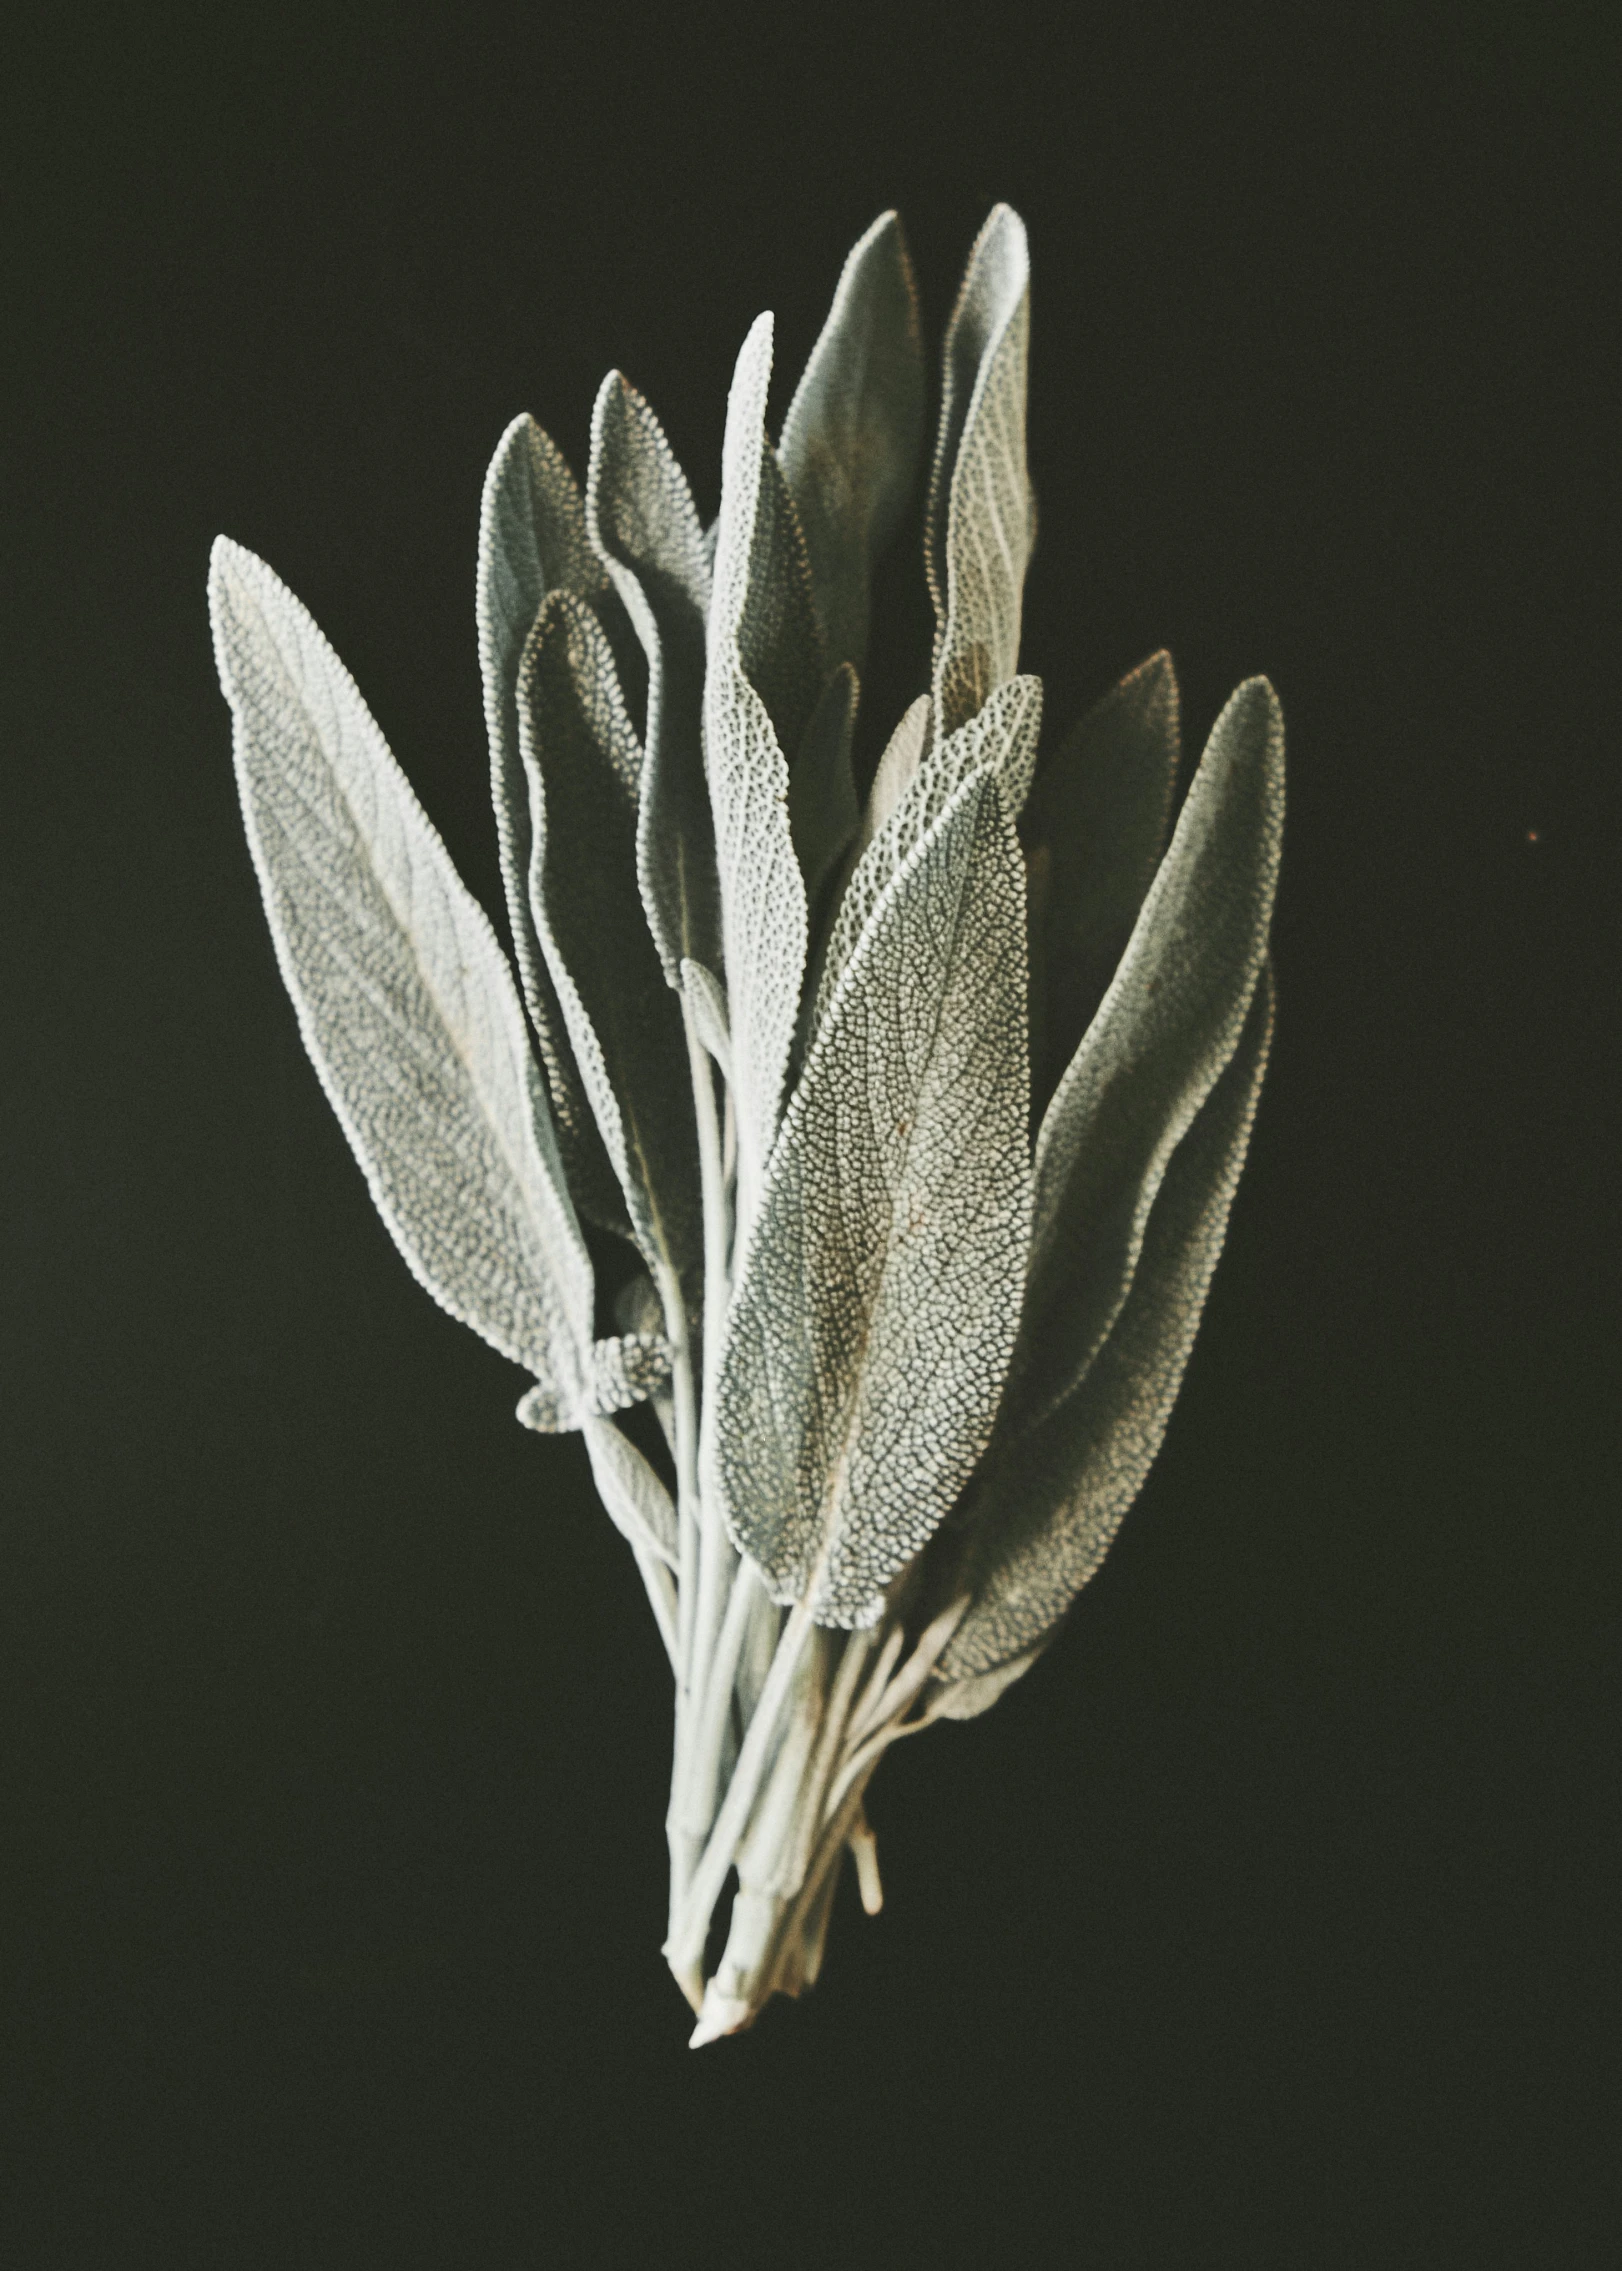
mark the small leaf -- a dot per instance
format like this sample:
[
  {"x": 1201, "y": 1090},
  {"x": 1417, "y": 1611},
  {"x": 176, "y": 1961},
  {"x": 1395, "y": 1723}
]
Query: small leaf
[
  {"x": 1099, "y": 812},
  {"x": 897, "y": 769},
  {"x": 707, "y": 998},
  {"x": 405, "y": 1001},
  {"x": 979, "y": 527},
  {"x": 532, "y": 540},
  {"x": 584, "y": 764},
  {"x": 637, "y": 1501},
  {"x": 871, "y": 1329},
  {"x": 1003, "y": 738},
  {"x": 854, "y": 430},
  {"x": 1167, "y": 1026},
  {"x": 1041, "y": 1515},
  {"x": 646, "y": 530},
  {"x": 822, "y": 810},
  {"x": 763, "y": 908}
]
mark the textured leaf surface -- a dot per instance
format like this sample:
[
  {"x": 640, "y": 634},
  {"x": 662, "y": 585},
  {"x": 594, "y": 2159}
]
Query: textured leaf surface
[
  {"x": 897, "y": 769},
  {"x": 646, "y": 529},
  {"x": 980, "y": 523},
  {"x": 823, "y": 813},
  {"x": 405, "y": 1001},
  {"x": 532, "y": 540},
  {"x": 707, "y": 999},
  {"x": 637, "y": 1501},
  {"x": 854, "y": 431},
  {"x": 1167, "y": 1027},
  {"x": 763, "y": 908},
  {"x": 1096, "y": 825},
  {"x": 871, "y": 1330},
  {"x": 584, "y": 763},
  {"x": 1002, "y": 737},
  {"x": 1044, "y": 1510}
]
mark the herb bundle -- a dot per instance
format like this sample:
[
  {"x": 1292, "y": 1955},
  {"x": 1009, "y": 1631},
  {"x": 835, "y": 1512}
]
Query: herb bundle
[{"x": 914, "y": 1118}]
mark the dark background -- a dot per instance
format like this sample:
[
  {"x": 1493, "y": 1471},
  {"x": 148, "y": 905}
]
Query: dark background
[{"x": 1270, "y": 1921}]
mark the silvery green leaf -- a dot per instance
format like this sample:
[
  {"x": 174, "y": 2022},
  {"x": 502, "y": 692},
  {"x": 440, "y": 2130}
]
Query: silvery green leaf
[
  {"x": 707, "y": 998},
  {"x": 532, "y": 540},
  {"x": 1002, "y": 737},
  {"x": 1167, "y": 1026},
  {"x": 637, "y": 1501},
  {"x": 979, "y": 526},
  {"x": 645, "y": 527},
  {"x": 823, "y": 813},
  {"x": 624, "y": 1370},
  {"x": 966, "y": 1698},
  {"x": 763, "y": 909},
  {"x": 851, "y": 439},
  {"x": 897, "y": 769},
  {"x": 584, "y": 764},
  {"x": 1096, "y": 826},
  {"x": 871, "y": 1329},
  {"x": 404, "y": 999},
  {"x": 1042, "y": 1513}
]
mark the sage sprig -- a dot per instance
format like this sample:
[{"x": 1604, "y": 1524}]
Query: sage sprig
[{"x": 915, "y": 1121}]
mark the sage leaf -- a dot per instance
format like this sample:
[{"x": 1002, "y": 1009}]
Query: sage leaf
[
  {"x": 405, "y": 1001},
  {"x": 1002, "y": 738},
  {"x": 707, "y": 998},
  {"x": 763, "y": 905},
  {"x": 584, "y": 764},
  {"x": 823, "y": 814},
  {"x": 532, "y": 540},
  {"x": 979, "y": 523},
  {"x": 868, "y": 1339},
  {"x": 646, "y": 530},
  {"x": 637, "y": 1502},
  {"x": 1042, "y": 1513},
  {"x": 852, "y": 437},
  {"x": 1166, "y": 1028},
  {"x": 897, "y": 767},
  {"x": 1096, "y": 827}
]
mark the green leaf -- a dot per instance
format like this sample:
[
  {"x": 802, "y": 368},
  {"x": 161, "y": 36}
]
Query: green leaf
[
  {"x": 758, "y": 604},
  {"x": 532, "y": 540},
  {"x": 823, "y": 814},
  {"x": 1041, "y": 1515},
  {"x": 584, "y": 763},
  {"x": 871, "y": 1329},
  {"x": 1095, "y": 827},
  {"x": 1003, "y": 738},
  {"x": 646, "y": 530},
  {"x": 854, "y": 430},
  {"x": 637, "y": 1501},
  {"x": 980, "y": 523},
  {"x": 707, "y": 999},
  {"x": 405, "y": 1001},
  {"x": 897, "y": 769},
  {"x": 1167, "y": 1027}
]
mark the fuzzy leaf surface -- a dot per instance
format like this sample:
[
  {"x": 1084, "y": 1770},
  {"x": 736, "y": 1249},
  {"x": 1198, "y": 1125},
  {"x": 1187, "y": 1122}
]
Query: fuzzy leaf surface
[
  {"x": 405, "y": 1001},
  {"x": 823, "y": 814},
  {"x": 980, "y": 523},
  {"x": 645, "y": 528},
  {"x": 1045, "y": 1508},
  {"x": 851, "y": 441},
  {"x": 1096, "y": 827},
  {"x": 584, "y": 763},
  {"x": 532, "y": 540},
  {"x": 1166, "y": 1028},
  {"x": 872, "y": 1326},
  {"x": 763, "y": 905},
  {"x": 1003, "y": 738}
]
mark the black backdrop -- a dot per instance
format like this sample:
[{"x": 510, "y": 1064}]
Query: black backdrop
[{"x": 1265, "y": 1923}]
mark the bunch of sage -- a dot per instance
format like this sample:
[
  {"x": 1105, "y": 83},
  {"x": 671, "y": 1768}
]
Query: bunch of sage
[{"x": 915, "y": 1118}]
